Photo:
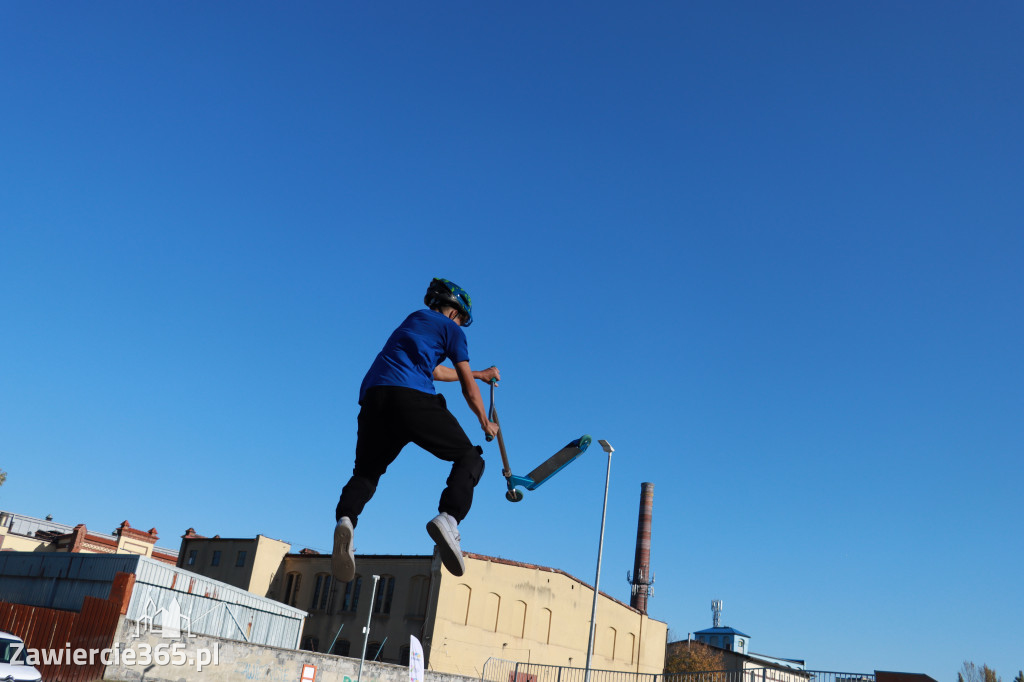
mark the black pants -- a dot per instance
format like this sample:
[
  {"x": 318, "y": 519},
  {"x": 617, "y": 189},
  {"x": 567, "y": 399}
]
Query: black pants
[{"x": 392, "y": 417}]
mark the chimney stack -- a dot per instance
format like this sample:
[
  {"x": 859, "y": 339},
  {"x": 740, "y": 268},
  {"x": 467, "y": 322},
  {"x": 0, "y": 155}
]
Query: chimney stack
[{"x": 642, "y": 578}]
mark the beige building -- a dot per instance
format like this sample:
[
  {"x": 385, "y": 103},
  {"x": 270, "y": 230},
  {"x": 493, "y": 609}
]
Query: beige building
[
  {"x": 498, "y": 609},
  {"x": 535, "y": 614},
  {"x": 248, "y": 563},
  {"x": 20, "y": 533}
]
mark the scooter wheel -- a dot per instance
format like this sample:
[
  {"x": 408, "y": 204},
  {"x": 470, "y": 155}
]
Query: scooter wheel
[{"x": 514, "y": 496}]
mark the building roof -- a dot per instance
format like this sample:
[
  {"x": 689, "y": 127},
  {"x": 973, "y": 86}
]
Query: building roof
[
  {"x": 721, "y": 631},
  {"x": 28, "y": 526},
  {"x": 49, "y": 531},
  {"x": 778, "y": 661},
  {"x": 536, "y": 567},
  {"x": 483, "y": 557}
]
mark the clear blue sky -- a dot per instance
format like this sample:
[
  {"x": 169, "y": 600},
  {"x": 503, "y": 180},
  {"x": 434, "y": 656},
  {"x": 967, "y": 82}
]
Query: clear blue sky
[{"x": 771, "y": 251}]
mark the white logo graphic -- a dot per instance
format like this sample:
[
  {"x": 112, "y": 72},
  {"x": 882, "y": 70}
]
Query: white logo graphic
[{"x": 165, "y": 621}]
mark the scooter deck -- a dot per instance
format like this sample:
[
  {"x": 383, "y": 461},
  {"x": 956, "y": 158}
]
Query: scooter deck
[{"x": 552, "y": 465}]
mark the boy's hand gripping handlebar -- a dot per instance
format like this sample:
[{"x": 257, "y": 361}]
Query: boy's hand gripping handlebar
[{"x": 492, "y": 414}]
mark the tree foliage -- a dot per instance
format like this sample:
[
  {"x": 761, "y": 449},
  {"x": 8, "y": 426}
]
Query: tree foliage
[
  {"x": 694, "y": 657},
  {"x": 974, "y": 673},
  {"x": 3, "y": 476}
]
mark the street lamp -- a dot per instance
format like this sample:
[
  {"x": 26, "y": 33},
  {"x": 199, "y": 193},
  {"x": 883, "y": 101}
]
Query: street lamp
[
  {"x": 366, "y": 630},
  {"x": 607, "y": 447}
]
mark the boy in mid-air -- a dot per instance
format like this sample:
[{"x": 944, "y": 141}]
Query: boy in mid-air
[{"x": 398, "y": 406}]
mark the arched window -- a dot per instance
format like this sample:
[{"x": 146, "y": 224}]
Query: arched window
[
  {"x": 341, "y": 647},
  {"x": 515, "y": 623},
  {"x": 419, "y": 592},
  {"x": 351, "y": 600},
  {"x": 292, "y": 585},
  {"x": 461, "y": 601},
  {"x": 609, "y": 643},
  {"x": 492, "y": 610},
  {"x": 322, "y": 593},
  {"x": 385, "y": 594},
  {"x": 545, "y": 623}
]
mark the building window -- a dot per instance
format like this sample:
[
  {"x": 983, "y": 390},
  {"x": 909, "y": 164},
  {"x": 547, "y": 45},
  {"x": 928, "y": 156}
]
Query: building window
[
  {"x": 216, "y": 559},
  {"x": 404, "y": 655},
  {"x": 374, "y": 652},
  {"x": 352, "y": 589},
  {"x": 310, "y": 643},
  {"x": 291, "y": 590},
  {"x": 240, "y": 559},
  {"x": 419, "y": 591},
  {"x": 385, "y": 595},
  {"x": 321, "y": 593},
  {"x": 341, "y": 647},
  {"x": 192, "y": 558}
]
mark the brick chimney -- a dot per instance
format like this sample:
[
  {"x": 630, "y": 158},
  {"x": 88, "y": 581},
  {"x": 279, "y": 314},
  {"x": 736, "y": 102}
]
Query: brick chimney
[{"x": 642, "y": 578}]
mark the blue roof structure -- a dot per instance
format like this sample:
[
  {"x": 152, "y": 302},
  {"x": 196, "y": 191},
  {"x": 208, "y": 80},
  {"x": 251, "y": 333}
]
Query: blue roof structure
[{"x": 722, "y": 631}]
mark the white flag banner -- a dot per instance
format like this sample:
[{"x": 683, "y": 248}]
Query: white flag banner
[{"x": 415, "y": 660}]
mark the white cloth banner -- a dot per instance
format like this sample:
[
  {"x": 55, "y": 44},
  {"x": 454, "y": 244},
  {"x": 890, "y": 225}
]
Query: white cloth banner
[{"x": 415, "y": 660}]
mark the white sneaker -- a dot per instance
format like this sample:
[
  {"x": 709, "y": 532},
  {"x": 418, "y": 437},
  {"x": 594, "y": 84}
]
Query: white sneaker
[
  {"x": 343, "y": 560},
  {"x": 444, "y": 530}
]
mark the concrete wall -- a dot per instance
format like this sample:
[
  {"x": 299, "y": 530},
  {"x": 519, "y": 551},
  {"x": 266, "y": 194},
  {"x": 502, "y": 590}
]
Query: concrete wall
[{"x": 228, "y": 660}]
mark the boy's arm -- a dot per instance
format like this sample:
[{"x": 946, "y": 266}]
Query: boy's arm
[
  {"x": 445, "y": 373},
  {"x": 472, "y": 395}
]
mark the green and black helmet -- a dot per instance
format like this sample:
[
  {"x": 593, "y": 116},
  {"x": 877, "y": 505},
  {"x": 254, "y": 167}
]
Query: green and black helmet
[{"x": 442, "y": 292}]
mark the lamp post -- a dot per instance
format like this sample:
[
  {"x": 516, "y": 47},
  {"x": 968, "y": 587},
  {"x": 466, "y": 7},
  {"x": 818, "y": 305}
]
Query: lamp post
[
  {"x": 607, "y": 447},
  {"x": 366, "y": 630}
]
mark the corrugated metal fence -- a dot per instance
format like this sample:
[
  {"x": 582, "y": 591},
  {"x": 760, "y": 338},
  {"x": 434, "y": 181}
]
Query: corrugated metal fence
[
  {"x": 206, "y": 606},
  {"x": 59, "y": 580},
  {"x": 210, "y": 607},
  {"x": 55, "y": 634}
]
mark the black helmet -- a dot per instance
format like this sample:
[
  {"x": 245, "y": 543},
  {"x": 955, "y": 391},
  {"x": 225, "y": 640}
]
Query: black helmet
[{"x": 442, "y": 292}]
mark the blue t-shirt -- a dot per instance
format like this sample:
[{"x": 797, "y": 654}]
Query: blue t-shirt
[{"x": 420, "y": 344}]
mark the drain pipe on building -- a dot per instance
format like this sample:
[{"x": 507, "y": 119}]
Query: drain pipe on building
[{"x": 366, "y": 630}]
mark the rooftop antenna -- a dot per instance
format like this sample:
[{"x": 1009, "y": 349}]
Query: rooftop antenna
[{"x": 716, "y": 611}]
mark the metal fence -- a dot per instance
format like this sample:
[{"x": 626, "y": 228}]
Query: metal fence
[
  {"x": 500, "y": 670},
  {"x": 769, "y": 675}
]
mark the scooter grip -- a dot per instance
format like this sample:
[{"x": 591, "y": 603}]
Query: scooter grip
[{"x": 490, "y": 412}]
